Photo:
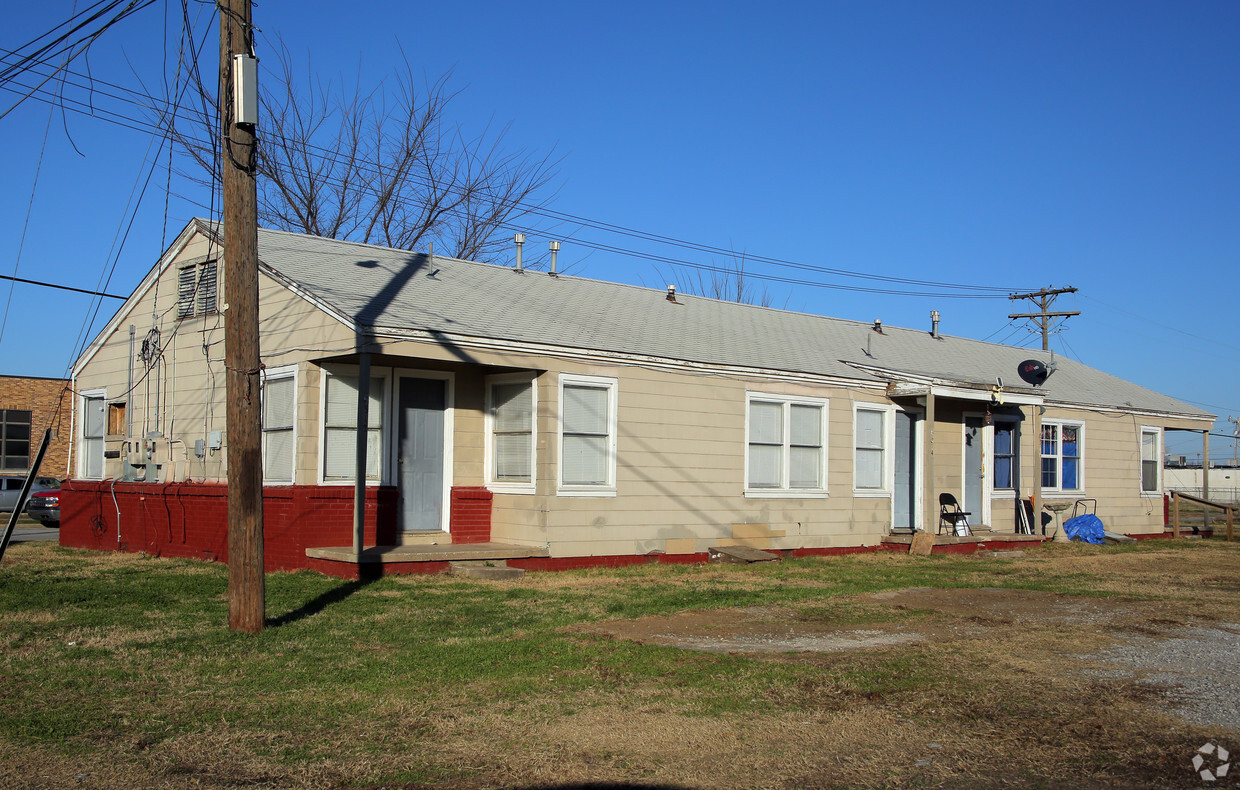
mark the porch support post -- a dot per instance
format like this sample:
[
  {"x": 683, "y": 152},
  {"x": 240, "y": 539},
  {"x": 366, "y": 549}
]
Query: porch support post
[
  {"x": 1205, "y": 464},
  {"x": 1036, "y": 469},
  {"x": 363, "y": 434},
  {"x": 930, "y": 502}
]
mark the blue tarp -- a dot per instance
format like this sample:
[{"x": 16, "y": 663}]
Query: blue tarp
[{"x": 1087, "y": 528}]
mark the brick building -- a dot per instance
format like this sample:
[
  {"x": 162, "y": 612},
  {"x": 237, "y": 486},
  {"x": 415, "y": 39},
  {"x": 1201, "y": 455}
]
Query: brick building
[{"x": 29, "y": 406}]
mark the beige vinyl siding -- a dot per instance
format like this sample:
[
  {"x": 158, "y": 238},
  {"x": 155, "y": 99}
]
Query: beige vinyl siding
[{"x": 680, "y": 474}]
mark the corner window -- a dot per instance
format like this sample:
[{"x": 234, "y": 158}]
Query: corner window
[
  {"x": 279, "y": 415},
  {"x": 340, "y": 428},
  {"x": 14, "y": 439},
  {"x": 1062, "y": 452},
  {"x": 196, "y": 289},
  {"x": 785, "y": 446},
  {"x": 511, "y": 433},
  {"x": 587, "y": 435},
  {"x": 90, "y": 454},
  {"x": 870, "y": 450},
  {"x": 1007, "y": 455},
  {"x": 1151, "y": 461}
]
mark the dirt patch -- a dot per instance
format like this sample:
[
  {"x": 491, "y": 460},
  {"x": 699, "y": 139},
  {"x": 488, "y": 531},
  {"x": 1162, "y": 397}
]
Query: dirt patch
[
  {"x": 897, "y": 617},
  {"x": 751, "y": 630}
]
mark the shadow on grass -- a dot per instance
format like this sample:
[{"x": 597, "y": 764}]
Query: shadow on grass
[{"x": 320, "y": 602}]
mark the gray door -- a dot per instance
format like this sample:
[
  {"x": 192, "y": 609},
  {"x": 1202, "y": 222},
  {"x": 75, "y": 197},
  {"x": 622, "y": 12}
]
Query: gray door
[
  {"x": 974, "y": 471},
  {"x": 420, "y": 453},
  {"x": 905, "y": 505}
]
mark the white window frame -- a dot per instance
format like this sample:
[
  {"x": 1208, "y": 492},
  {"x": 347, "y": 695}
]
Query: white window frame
[
  {"x": 1080, "y": 456},
  {"x": 889, "y": 442},
  {"x": 785, "y": 491},
  {"x": 83, "y": 396},
  {"x": 385, "y": 423},
  {"x": 279, "y": 374},
  {"x": 1157, "y": 431},
  {"x": 488, "y": 455},
  {"x": 612, "y": 385}
]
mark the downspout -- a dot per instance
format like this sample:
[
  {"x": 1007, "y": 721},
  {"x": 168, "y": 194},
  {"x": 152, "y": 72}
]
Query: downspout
[
  {"x": 1036, "y": 469},
  {"x": 363, "y": 433},
  {"x": 1205, "y": 465},
  {"x": 931, "y": 502},
  {"x": 129, "y": 388},
  {"x": 73, "y": 402},
  {"x": 126, "y": 469}
]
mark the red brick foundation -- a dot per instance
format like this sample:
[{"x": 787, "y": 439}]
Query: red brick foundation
[
  {"x": 191, "y": 519},
  {"x": 470, "y": 518}
]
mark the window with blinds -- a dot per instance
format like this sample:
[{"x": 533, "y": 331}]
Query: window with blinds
[
  {"x": 511, "y": 409},
  {"x": 279, "y": 413},
  {"x": 1151, "y": 461},
  {"x": 587, "y": 434},
  {"x": 786, "y": 445},
  {"x": 340, "y": 428},
  {"x": 196, "y": 289},
  {"x": 870, "y": 449}
]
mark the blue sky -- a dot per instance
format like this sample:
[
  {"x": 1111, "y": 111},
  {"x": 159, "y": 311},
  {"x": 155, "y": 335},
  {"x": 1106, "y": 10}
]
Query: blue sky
[{"x": 1011, "y": 145}]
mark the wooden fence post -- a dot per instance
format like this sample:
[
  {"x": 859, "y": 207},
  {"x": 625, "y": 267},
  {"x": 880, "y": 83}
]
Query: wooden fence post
[{"x": 1175, "y": 514}]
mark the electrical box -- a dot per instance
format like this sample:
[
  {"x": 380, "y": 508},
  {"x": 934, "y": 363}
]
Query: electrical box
[
  {"x": 158, "y": 451},
  {"x": 245, "y": 89},
  {"x": 214, "y": 441},
  {"x": 135, "y": 452},
  {"x": 200, "y": 448}
]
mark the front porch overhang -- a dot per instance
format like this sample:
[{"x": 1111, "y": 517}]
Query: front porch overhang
[{"x": 995, "y": 394}]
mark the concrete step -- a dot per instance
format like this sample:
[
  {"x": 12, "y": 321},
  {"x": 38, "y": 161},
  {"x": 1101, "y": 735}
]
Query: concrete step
[
  {"x": 485, "y": 569},
  {"x": 740, "y": 554}
]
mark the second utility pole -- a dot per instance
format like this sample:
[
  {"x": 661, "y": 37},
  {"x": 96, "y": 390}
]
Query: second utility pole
[
  {"x": 1044, "y": 299},
  {"x": 238, "y": 158}
]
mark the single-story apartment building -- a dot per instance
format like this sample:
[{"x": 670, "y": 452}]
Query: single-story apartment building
[{"x": 557, "y": 421}]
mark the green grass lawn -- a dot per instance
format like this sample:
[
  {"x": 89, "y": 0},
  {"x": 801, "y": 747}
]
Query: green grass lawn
[{"x": 109, "y": 656}]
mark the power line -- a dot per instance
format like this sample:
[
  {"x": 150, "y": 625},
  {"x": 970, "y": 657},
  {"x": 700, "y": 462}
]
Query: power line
[
  {"x": 978, "y": 291},
  {"x": 61, "y": 287}
]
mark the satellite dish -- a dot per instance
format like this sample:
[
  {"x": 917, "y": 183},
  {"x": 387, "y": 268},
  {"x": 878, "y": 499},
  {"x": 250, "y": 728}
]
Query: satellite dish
[{"x": 1033, "y": 372}]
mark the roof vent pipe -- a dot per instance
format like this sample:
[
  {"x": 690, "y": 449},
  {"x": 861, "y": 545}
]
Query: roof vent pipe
[
  {"x": 671, "y": 292},
  {"x": 934, "y": 323},
  {"x": 555, "y": 248},
  {"x": 878, "y": 325},
  {"x": 520, "y": 242}
]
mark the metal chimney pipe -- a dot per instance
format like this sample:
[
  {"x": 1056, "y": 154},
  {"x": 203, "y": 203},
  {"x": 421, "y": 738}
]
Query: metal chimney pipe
[
  {"x": 555, "y": 248},
  {"x": 934, "y": 323},
  {"x": 520, "y": 241}
]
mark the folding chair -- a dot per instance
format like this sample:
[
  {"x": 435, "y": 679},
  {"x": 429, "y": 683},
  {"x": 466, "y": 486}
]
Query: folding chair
[{"x": 952, "y": 517}]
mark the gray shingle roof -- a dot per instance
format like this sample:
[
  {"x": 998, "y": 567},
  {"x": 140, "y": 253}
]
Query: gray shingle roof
[{"x": 385, "y": 288}]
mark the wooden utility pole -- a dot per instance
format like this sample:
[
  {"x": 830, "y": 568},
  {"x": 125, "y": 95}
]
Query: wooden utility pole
[
  {"x": 1044, "y": 299},
  {"x": 238, "y": 157}
]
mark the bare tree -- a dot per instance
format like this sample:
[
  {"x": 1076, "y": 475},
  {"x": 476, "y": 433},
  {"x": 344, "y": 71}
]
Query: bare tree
[
  {"x": 726, "y": 282},
  {"x": 384, "y": 166}
]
